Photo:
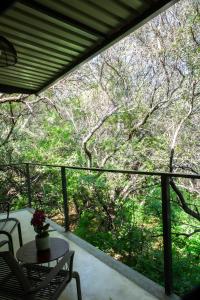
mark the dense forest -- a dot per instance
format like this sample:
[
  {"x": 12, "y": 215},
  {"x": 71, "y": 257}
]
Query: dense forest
[{"x": 136, "y": 106}]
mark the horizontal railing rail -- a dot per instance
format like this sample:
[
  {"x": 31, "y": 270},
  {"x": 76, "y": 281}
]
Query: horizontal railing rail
[
  {"x": 155, "y": 173},
  {"x": 165, "y": 196}
]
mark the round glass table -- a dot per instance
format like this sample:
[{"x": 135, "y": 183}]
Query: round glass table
[{"x": 28, "y": 253}]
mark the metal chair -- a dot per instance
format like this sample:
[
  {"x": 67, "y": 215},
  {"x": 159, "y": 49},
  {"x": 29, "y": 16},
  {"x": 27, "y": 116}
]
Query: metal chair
[
  {"x": 35, "y": 282},
  {"x": 7, "y": 226}
]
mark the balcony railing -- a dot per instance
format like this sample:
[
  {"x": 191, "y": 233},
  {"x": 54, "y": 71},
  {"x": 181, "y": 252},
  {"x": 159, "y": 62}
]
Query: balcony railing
[{"x": 164, "y": 181}]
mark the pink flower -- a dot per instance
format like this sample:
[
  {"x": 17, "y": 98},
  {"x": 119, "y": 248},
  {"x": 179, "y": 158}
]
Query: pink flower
[
  {"x": 38, "y": 218},
  {"x": 38, "y": 222}
]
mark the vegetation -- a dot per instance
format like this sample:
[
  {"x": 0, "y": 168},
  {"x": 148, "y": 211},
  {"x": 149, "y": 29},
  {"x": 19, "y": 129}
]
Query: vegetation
[{"x": 136, "y": 106}]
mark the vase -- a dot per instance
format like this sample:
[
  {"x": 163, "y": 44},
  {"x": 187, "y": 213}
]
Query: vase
[{"x": 42, "y": 243}]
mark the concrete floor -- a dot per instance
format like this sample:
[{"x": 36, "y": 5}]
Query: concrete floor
[{"x": 98, "y": 281}]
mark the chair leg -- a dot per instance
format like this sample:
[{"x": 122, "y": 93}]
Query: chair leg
[
  {"x": 78, "y": 284},
  {"x": 10, "y": 244},
  {"x": 20, "y": 234}
]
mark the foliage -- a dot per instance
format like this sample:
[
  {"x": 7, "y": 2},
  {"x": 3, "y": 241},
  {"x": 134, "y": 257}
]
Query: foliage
[{"x": 135, "y": 106}]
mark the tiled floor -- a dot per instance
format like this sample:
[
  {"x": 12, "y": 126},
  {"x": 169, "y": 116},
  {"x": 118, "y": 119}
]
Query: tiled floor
[{"x": 98, "y": 281}]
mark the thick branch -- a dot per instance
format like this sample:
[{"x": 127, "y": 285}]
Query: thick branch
[
  {"x": 187, "y": 234},
  {"x": 185, "y": 207},
  {"x": 194, "y": 37},
  {"x": 143, "y": 121},
  {"x": 8, "y": 135},
  {"x": 92, "y": 132},
  {"x": 19, "y": 98},
  {"x": 174, "y": 139}
]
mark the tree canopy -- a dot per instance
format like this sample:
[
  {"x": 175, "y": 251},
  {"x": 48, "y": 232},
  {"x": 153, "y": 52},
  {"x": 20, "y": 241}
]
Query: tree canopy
[{"x": 135, "y": 106}]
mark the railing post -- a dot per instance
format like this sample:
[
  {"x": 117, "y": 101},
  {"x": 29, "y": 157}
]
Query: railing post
[
  {"x": 28, "y": 183},
  {"x": 166, "y": 234},
  {"x": 65, "y": 200}
]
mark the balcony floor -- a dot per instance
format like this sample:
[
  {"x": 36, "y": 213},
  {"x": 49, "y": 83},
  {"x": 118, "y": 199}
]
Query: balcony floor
[{"x": 98, "y": 280}]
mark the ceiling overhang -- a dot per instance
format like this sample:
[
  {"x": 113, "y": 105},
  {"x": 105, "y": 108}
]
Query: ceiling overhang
[{"x": 52, "y": 38}]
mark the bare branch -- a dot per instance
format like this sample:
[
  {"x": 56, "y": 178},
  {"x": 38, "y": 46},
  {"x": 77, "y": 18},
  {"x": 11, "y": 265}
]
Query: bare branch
[
  {"x": 92, "y": 132},
  {"x": 194, "y": 214},
  {"x": 174, "y": 139},
  {"x": 19, "y": 98},
  {"x": 188, "y": 235}
]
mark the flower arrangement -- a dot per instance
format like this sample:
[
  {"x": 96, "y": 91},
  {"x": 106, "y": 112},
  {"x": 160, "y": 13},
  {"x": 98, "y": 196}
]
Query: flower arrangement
[{"x": 38, "y": 222}]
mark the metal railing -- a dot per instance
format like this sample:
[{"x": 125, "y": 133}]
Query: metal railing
[{"x": 165, "y": 196}]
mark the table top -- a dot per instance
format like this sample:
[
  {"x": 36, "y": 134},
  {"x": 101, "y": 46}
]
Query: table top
[{"x": 29, "y": 254}]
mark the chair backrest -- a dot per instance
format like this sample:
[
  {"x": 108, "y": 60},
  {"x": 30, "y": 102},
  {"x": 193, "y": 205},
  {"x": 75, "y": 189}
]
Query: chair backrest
[
  {"x": 5, "y": 208},
  {"x": 13, "y": 282}
]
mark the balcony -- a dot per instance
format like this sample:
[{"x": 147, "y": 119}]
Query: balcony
[
  {"x": 98, "y": 270},
  {"x": 100, "y": 279}
]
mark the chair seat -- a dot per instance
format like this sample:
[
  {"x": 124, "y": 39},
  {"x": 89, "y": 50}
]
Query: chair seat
[
  {"x": 36, "y": 274},
  {"x": 7, "y": 297}
]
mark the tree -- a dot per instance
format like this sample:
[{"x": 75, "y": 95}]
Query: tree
[{"x": 135, "y": 106}]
